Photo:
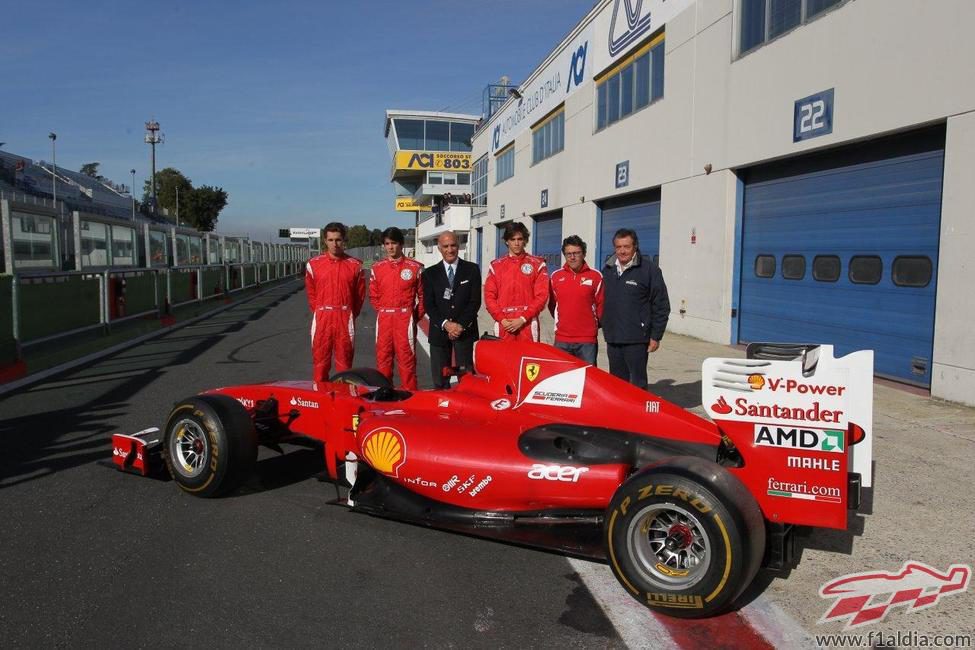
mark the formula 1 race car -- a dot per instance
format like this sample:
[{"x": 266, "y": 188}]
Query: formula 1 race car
[{"x": 535, "y": 447}]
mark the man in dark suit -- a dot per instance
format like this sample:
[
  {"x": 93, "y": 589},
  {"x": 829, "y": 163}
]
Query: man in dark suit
[{"x": 452, "y": 298}]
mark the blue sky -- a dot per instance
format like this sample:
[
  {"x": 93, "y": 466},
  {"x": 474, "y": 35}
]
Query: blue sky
[{"x": 279, "y": 103}]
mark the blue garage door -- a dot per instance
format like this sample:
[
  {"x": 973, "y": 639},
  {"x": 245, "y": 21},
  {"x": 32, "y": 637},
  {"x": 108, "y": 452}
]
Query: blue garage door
[
  {"x": 500, "y": 248},
  {"x": 547, "y": 239},
  {"x": 844, "y": 250},
  {"x": 478, "y": 245},
  {"x": 639, "y": 213}
]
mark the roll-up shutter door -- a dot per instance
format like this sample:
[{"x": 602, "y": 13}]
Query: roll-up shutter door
[
  {"x": 547, "y": 239},
  {"x": 843, "y": 249},
  {"x": 640, "y": 213}
]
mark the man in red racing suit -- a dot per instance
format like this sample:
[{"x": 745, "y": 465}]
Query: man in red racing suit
[
  {"x": 516, "y": 289},
  {"x": 336, "y": 289},
  {"x": 396, "y": 294}
]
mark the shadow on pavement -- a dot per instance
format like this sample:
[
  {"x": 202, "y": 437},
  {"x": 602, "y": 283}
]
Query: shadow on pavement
[
  {"x": 40, "y": 444},
  {"x": 687, "y": 396}
]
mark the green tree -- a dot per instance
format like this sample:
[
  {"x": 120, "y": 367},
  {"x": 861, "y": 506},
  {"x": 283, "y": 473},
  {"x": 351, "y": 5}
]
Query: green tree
[
  {"x": 376, "y": 237},
  {"x": 167, "y": 180},
  {"x": 203, "y": 206},
  {"x": 358, "y": 237},
  {"x": 91, "y": 169}
]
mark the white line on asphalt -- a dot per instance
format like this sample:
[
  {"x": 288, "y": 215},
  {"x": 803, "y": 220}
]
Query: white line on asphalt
[
  {"x": 635, "y": 624},
  {"x": 778, "y": 628},
  {"x": 92, "y": 379},
  {"x": 40, "y": 376}
]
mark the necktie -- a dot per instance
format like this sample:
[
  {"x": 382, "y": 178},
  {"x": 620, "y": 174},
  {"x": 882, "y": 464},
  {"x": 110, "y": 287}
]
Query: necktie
[{"x": 450, "y": 276}]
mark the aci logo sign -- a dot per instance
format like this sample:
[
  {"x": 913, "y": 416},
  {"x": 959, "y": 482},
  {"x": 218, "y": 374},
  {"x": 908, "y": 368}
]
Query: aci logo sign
[
  {"x": 627, "y": 26},
  {"x": 496, "y": 137},
  {"x": 577, "y": 68}
]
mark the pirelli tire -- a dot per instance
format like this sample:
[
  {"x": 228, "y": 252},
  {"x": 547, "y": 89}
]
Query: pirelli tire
[
  {"x": 684, "y": 537},
  {"x": 363, "y": 377},
  {"x": 210, "y": 445}
]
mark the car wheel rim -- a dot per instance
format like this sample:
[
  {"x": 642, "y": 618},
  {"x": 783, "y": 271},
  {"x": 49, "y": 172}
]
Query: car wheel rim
[
  {"x": 190, "y": 448},
  {"x": 669, "y": 546}
]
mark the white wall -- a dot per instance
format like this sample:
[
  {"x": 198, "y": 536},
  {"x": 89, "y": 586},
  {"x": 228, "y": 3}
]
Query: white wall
[
  {"x": 953, "y": 365},
  {"x": 894, "y": 65}
]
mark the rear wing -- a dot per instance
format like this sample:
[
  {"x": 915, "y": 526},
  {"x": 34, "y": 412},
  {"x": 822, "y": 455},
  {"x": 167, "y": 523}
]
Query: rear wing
[{"x": 803, "y": 417}]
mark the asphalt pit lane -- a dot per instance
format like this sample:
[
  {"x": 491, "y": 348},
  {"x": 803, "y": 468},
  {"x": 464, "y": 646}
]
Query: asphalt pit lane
[{"x": 582, "y": 612}]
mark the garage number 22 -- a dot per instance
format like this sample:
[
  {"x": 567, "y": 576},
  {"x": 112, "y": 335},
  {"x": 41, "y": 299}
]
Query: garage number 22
[{"x": 811, "y": 116}]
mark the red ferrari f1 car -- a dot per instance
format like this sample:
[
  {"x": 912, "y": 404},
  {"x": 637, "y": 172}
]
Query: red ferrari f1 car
[{"x": 535, "y": 447}]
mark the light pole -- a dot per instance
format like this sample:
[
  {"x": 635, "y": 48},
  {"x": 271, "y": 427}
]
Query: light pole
[
  {"x": 177, "y": 205},
  {"x": 153, "y": 137},
  {"x": 54, "y": 165},
  {"x": 132, "y": 193}
]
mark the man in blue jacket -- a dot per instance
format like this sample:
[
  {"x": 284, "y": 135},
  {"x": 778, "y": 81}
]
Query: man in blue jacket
[{"x": 636, "y": 309}]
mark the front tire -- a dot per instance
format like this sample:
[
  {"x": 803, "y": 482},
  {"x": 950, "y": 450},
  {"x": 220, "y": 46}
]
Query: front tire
[
  {"x": 363, "y": 377},
  {"x": 210, "y": 445},
  {"x": 684, "y": 539}
]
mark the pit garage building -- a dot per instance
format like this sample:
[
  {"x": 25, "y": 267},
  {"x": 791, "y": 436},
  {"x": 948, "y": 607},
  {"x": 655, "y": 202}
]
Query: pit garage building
[{"x": 801, "y": 169}]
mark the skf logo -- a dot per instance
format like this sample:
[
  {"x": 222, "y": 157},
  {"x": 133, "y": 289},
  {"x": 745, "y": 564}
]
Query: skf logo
[
  {"x": 756, "y": 381},
  {"x": 385, "y": 450},
  {"x": 531, "y": 371},
  {"x": 577, "y": 68},
  {"x": 496, "y": 137},
  {"x": 865, "y": 598},
  {"x": 628, "y": 26},
  {"x": 421, "y": 161}
]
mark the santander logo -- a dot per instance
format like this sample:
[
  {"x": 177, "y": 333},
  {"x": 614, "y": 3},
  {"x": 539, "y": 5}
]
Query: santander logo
[{"x": 721, "y": 406}]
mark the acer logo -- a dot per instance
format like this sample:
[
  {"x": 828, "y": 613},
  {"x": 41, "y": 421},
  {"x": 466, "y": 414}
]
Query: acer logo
[{"x": 564, "y": 473}]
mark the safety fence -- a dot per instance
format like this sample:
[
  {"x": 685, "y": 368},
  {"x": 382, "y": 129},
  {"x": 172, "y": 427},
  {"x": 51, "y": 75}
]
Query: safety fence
[{"x": 42, "y": 307}]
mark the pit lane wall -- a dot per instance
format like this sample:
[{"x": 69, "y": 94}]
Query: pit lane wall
[
  {"x": 66, "y": 275},
  {"x": 894, "y": 69}
]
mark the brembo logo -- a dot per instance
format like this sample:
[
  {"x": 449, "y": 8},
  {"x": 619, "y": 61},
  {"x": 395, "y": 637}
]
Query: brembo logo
[{"x": 626, "y": 28}]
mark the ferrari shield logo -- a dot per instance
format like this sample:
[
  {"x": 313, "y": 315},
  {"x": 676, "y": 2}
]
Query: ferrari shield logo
[{"x": 531, "y": 371}]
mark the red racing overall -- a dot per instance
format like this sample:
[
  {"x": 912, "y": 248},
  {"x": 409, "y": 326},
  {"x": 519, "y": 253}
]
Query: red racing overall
[
  {"x": 336, "y": 289},
  {"x": 396, "y": 294},
  {"x": 516, "y": 287}
]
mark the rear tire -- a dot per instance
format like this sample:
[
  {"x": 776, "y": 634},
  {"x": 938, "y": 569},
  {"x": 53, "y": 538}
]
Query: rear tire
[
  {"x": 210, "y": 445},
  {"x": 363, "y": 377},
  {"x": 684, "y": 538}
]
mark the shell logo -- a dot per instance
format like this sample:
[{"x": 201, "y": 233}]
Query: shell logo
[
  {"x": 385, "y": 450},
  {"x": 757, "y": 382}
]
